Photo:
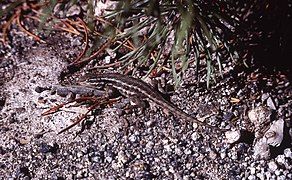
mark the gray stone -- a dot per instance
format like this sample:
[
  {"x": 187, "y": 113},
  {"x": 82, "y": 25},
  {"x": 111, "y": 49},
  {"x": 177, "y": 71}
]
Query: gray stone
[
  {"x": 261, "y": 149},
  {"x": 281, "y": 159},
  {"x": 264, "y": 96},
  {"x": 271, "y": 104},
  {"x": 288, "y": 153},
  {"x": 73, "y": 10},
  {"x": 275, "y": 133}
]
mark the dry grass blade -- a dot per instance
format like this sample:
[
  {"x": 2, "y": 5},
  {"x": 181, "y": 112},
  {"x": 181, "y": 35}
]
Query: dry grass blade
[
  {"x": 86, "y": 42},
  {"x": 98, "y": 102},
  {"x": 80, "y": 118},
  {"x": 94, "y": 54},
  {"x": 68, "y": 27},
  {"x": 25, "y": 30},
  {"x": 58, "y": 107},
  {"x": 6, "y": 27}
]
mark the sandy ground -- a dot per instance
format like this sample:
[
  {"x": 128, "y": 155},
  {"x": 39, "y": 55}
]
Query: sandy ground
[{"x": 139, "y": 145}]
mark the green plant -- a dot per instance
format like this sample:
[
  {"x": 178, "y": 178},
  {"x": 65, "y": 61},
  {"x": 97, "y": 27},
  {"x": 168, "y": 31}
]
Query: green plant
[
  {"x": 180, "y": 30},
  {"x": 156, "y": 34}
]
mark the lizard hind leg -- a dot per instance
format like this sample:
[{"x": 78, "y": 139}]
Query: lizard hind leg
[
  {"x": 137, "y": 103},
  {"x": 111, "y": 92}
]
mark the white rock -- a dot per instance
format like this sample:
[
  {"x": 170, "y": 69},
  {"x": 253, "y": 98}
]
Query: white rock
[
  {"x": 272, "y": 166},
  {"x": 275, "y": 133},
  {"x": 99, "y": 8},
  {"x": 195, "y": 136},
  {"x": 260, "y": 176},
  {"x": 261, "y": 149},
  {"x": 107, "y": 59},
  {"x": 281, "y": 177},
  {"x": 232, "y": 136},
  {"x": 271, "y": 104},
  {"x": 212, "y": 155},
  {"x": 167, "y": 147},
  {"x": 187, "y": 151},
  {"x": 122, "y": 158},
  {"x": 222, "y": 155},
  {"x": 278, "y": 172},
  {"x": 252, "y": 170},
  {"x": 259, "y": 113},
  {"x": 280, "y": 159},
  {"x": 259, "y": 116},
  {"x": 268, "y": 175},
  {"x": 251, "y": 177},
  {"x": 178, "y": 151},
  {"x": 265, "y": 96},
  {"x": 133, "y": 138},
  {"x": 108, "y": 159},
  {"x": 288, "y": 153}
]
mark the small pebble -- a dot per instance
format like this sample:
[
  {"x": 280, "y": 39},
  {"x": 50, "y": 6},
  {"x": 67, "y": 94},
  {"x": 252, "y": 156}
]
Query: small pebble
[
  {"x": 259, "y": 116},
  {"x": 271, "y": 104},
  {"x": 280, "y": 159},
  {"x": 261, "y": 149},
  {"x": 107, "y": 59},
  {"x": 187, "y": 151},
  {"x": 195, "y": 136},
  {"x": 122, "y": 158},
  {"x": 281, "y": 177},
  {"x": 272, "y": 166},
  {"x": 167, "y": 147},
  {"x": 228, "y": 116},
  {"x": 275, "y": 133},
  {"x": 260, "y": 176},
  {"x": 222, "y": 155},
  {"x": 251, "y": 177},
  {"x": 232, "y": 136},
  {"x": 233, "y": 155},
  {"x": 265, "y": 96},
  {"x": 24, "y": 141},
  {"x": 278, "y": 172},
  {"x": 133, "y": 138},
  {"x": 178, "y": 151},
  {"x": 109, "y": 159},
  {"x": 268, "y": 175},
  {"x": 288, "y": 153},
  {"x": 252, "y": 170},
  {"x": 212, "y": 155},
  {"x": 79, "y": 154}
]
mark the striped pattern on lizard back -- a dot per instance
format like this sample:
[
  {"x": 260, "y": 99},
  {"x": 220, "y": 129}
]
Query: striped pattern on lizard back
[{"x": 135, "y": 87}]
